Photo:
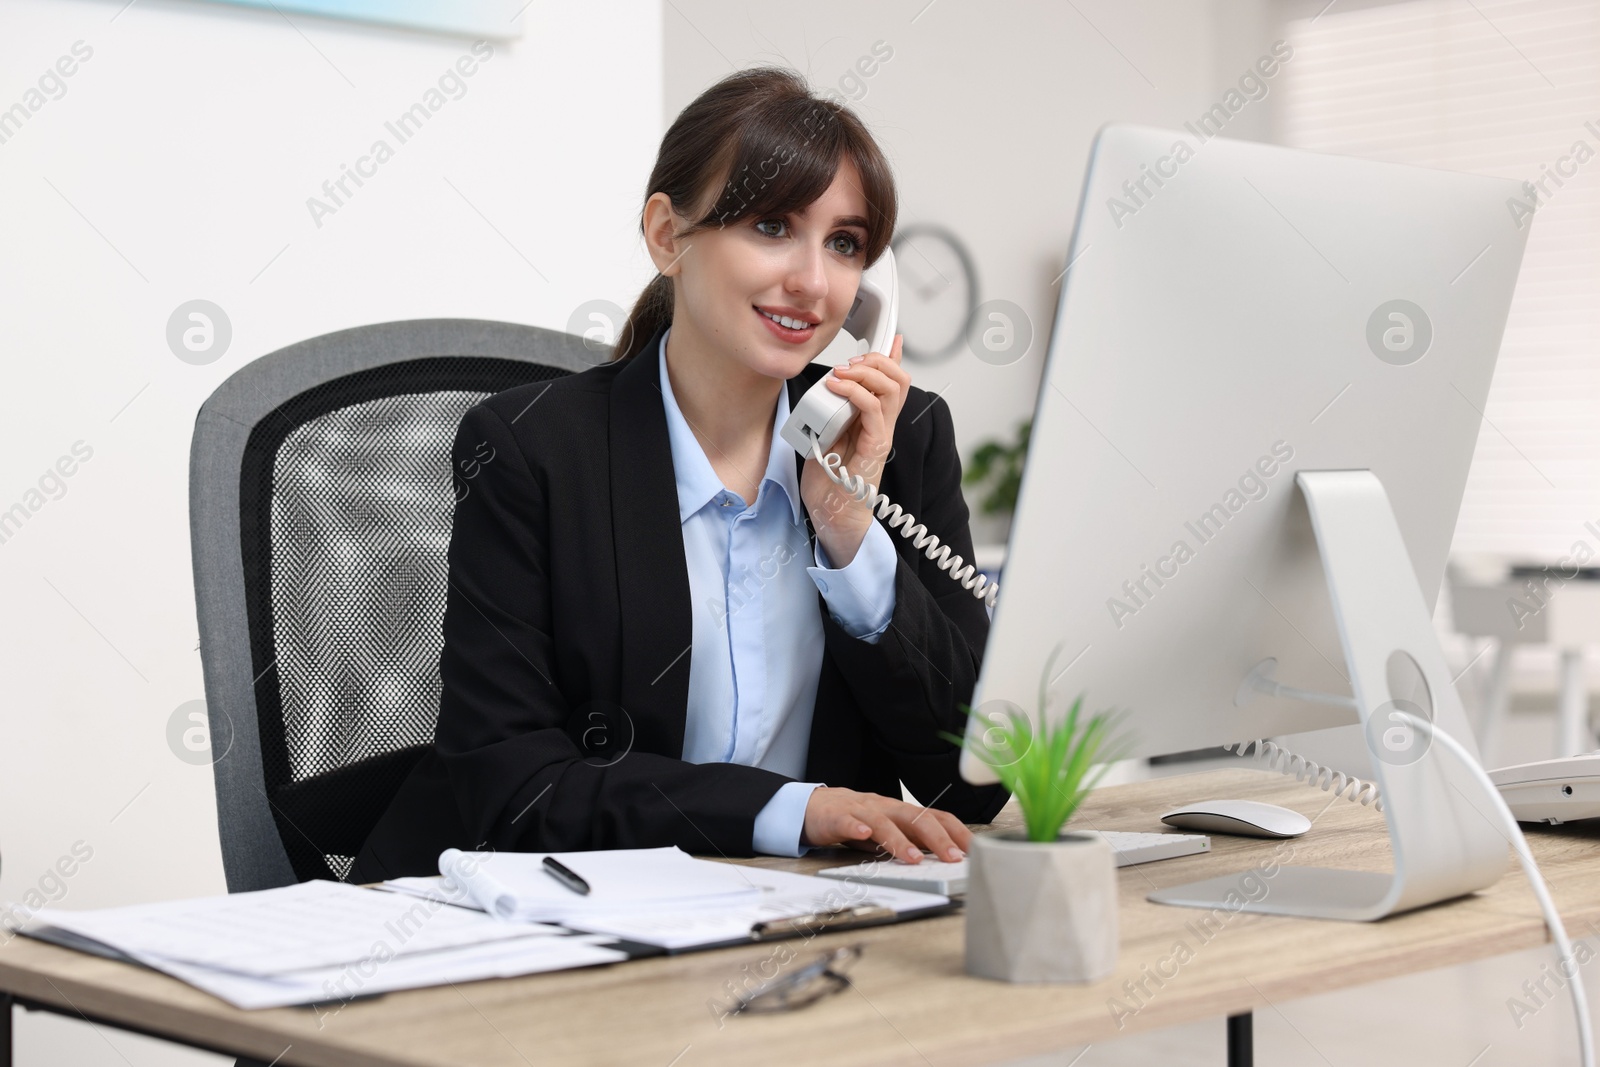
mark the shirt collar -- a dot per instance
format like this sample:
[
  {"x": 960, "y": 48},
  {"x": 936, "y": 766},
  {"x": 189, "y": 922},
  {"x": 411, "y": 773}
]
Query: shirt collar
[{"x": 697, "y": 481}]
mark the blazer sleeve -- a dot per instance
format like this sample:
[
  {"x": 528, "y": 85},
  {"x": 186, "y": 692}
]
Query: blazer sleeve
[
  {"x": 508, "y": 736},
  {"x": 911, "y": 683}
]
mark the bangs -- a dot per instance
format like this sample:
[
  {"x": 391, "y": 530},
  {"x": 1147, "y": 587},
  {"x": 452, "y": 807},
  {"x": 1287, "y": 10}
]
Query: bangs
[{"x": 787, "y": 155}]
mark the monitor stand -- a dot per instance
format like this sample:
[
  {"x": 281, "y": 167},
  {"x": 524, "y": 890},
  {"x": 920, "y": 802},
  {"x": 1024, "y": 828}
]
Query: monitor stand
[{"x": 1444, "y": 843}]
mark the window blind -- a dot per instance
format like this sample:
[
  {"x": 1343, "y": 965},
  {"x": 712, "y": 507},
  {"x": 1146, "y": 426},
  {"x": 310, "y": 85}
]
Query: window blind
[{"x": 1509, "y": 88}]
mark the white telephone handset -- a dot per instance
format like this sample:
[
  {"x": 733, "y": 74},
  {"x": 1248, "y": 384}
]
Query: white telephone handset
[{"x": 822, "y": 415}]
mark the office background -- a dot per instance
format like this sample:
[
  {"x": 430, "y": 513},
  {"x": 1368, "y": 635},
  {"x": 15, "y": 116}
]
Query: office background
[{"x": 175, "y": 163}]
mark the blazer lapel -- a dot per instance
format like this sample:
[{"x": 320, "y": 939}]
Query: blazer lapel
[{"x": 652, "y": 576}]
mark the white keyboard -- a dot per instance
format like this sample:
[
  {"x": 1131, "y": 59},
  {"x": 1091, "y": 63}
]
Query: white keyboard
[{"x": 941, "y": 876}]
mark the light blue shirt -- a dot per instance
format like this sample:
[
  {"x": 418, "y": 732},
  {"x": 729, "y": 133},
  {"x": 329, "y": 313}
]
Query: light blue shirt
[{"x": 757, "y": 652}]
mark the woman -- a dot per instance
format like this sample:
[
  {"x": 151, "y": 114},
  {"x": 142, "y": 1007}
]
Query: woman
[{"x": 664, "y": 627}]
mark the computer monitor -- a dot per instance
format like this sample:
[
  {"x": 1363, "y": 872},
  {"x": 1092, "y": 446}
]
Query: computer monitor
[{"x": 1260, "y": 400}]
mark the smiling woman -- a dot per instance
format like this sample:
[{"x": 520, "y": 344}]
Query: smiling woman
[{"x": 633, "y": 656}]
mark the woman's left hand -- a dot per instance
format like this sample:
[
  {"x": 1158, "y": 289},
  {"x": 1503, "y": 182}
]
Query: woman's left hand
[{"x": 875, "y": 385}]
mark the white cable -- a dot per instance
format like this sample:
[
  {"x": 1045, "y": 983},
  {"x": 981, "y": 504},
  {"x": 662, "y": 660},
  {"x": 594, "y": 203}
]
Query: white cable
[
  {"x": 1552, "y": 918},
  {"x": 890, "y": 512},
  {"x": 1327, "y": 779}
]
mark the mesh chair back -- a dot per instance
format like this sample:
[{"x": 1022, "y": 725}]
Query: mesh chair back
[{"x": 321, "y": 576}]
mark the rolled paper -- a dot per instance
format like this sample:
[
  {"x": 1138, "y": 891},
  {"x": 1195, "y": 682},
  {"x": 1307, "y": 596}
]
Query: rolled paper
[{"x": 484, "y": 889}]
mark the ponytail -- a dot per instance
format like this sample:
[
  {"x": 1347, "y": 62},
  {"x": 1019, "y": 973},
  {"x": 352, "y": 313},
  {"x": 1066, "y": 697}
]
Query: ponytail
[{"x": 651, "y": 313}]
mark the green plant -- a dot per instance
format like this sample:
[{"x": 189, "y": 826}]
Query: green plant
[
  {"x": 1052, "y": 768},
  {"x": 1003, "y": 462}
]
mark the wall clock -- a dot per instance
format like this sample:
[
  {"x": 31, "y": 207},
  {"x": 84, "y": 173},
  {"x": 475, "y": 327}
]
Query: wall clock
[{"x": 938, "y": 291}]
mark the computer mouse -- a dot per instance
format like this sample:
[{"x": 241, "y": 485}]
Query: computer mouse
[{"x": 1248, "y": 818}]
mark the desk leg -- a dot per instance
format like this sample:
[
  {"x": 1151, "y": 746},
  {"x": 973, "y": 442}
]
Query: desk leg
[
  {"x": 1241, "y": 1040},
  {"x": 5, "y": 1029}
]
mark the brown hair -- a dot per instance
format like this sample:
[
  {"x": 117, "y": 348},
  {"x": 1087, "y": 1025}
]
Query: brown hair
[{"x": 776, "y": 148}]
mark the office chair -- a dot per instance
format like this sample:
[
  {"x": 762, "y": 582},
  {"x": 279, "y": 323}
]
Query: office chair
[{"x": 320, "y": 507}]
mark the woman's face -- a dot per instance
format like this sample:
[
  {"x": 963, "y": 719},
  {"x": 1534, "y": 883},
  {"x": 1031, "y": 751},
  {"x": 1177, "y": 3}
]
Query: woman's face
[{"x": 804, "y": 267}]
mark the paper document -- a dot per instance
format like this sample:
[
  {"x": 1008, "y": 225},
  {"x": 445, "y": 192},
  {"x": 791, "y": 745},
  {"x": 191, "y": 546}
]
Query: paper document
[
  {"x": 334, "y": 985},
  {"x": 313, "y": 924},
  {"x": 317, "y": 941},
  {"x": 687, "y": 922},
  {"x": 516, "y": 885}
]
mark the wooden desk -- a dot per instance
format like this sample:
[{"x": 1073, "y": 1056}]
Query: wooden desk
[{"x": 911, "y": 1004}]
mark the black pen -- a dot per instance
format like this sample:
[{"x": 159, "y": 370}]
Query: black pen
[{"x": 565, "y": 875}]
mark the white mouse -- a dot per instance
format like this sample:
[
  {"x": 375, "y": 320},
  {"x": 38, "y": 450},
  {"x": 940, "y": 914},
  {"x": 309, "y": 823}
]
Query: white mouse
[{"x": 1248, "y": 818}]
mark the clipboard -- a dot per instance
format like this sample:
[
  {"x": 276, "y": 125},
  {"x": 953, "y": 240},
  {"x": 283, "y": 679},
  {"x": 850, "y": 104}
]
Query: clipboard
[{"x": 854, "y": 917}]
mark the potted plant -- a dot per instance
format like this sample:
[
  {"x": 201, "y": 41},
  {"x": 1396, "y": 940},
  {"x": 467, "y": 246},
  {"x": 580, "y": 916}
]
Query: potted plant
[
  {"x": 1042, "y": 904},
  {"x": 996, "y": 466}
]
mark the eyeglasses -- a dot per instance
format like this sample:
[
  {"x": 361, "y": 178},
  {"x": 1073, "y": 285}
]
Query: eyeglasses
[{"x": 820, "y": 978}]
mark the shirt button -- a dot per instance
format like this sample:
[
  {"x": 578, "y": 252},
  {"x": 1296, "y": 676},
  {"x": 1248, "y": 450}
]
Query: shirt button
[{"x": 822, "y": 584}]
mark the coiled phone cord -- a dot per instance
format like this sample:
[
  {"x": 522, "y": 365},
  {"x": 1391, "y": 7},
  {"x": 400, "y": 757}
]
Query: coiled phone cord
[
  {"x": 1327, "y": 779},
  {"x": 898, "y": 518}
]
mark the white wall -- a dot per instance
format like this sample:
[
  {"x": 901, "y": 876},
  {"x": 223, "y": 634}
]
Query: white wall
[{"x": 176, "y": 166}]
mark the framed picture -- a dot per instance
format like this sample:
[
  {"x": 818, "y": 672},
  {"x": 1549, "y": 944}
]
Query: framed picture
[{"x": 495, "y": 19}]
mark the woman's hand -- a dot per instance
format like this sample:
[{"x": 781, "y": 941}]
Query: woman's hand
[
  {"x": 881, "y": 824},
  {"x": 875, "y": 385}
]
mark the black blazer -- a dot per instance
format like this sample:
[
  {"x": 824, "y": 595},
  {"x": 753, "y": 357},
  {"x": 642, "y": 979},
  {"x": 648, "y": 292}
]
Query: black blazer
[{"x": 567, "y": 630}]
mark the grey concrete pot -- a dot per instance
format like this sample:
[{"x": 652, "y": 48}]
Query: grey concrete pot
[{"x": 1041, "y": 911}]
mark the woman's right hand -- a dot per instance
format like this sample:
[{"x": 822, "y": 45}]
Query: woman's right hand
[{"x": 877, "y": 823}]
